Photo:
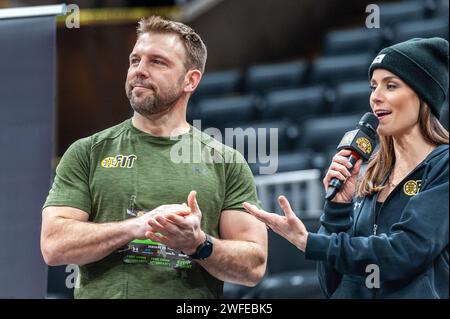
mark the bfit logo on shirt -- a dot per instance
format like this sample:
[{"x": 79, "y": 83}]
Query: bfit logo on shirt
[{"x": 119, "y": 161}]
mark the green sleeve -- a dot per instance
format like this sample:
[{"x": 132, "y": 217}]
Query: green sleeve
[
  {"x": 240, "y": 186},
  {"x": 71, "y": 184}
]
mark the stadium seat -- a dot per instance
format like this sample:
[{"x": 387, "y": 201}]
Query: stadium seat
[
  {"x": 289, "y": 285},
  {"x": 235, "y": 291},
  {"x": 394, "y": 13},
  {"x": 295, "y": 104},
  {"x": 57, "y": 288},
  {"x": 252, "y": 132},
  {"x": 294, "y": 161},
  {"x": 218, "y": 84},
  {"x": 280, "y": 248},
  {"x": 325, "y": 133},
  {"x": 353, "y": 41},
  {"x": 289, "y": 274},
  {"x": 191, "y": 111},
  {"x": 352, "y": 97},
  {"x": 265, "y": 78},
  {"x": 441, "y": 9},
  {"x": 290, "y": 161},
  {"x": 421, "y": 29},
  {"x": 222, "y": 112},
  {"x": 335, "y": 69}
]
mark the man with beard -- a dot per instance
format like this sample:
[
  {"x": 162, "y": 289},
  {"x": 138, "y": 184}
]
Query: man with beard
[{"x": 116, "y": 207}]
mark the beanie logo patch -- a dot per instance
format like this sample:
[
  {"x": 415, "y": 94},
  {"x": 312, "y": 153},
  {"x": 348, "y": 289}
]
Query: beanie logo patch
[{"x": 379, "y": 58}]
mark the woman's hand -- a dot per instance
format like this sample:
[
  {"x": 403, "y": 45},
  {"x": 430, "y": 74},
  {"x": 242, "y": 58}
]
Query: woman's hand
[
  {"x": 289, "y": 226},
  {"x": 339, "y": 169}
]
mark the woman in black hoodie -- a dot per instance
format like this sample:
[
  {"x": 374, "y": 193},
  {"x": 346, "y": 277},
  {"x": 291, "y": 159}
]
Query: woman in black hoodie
[{"x": 386, "y": 234}]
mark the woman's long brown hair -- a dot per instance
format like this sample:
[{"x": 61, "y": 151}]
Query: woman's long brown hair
[{"x": 384, "y": 159}]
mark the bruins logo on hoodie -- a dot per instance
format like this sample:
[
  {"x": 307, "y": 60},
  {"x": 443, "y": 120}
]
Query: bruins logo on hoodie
[{"x": 412, "y": 187}]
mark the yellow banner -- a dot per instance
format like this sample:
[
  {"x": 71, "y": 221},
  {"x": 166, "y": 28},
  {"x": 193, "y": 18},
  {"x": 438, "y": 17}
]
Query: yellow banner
[{"x": 119, "y": 15}]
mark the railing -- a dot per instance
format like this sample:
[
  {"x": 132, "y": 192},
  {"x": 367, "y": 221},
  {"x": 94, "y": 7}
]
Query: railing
[
  {"x": 37, "y": 11},
  {"x": 303, "y": 189}
]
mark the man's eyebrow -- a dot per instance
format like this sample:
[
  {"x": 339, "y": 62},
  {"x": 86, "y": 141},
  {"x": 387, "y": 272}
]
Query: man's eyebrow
[
  {"x": 153, "y": 55},
  {"x": 158, "y": 56}
]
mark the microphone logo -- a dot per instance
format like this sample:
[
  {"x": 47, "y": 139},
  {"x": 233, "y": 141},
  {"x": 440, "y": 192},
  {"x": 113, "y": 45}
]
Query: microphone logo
[
  {"x": 361, "y": 142},
  {"x": 364, "y": 145}
]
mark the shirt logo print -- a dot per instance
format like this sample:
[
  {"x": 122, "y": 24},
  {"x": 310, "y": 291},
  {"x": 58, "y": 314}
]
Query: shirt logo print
[{"x": 119, "y": 161}]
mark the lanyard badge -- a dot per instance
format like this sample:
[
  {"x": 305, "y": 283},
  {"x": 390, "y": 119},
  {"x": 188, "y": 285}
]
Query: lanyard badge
[{"x": 146, "y": 251}]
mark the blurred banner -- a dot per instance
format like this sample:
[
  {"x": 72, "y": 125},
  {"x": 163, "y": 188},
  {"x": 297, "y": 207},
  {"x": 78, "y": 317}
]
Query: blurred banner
[{"x": 27, "y": 97}]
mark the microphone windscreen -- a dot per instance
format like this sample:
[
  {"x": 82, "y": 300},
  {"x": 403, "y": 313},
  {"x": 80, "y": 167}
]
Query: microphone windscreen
[{"x": 369, "y": 120}]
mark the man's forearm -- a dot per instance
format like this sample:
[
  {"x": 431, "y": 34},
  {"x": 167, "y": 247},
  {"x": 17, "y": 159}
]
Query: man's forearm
[
  {"x": 77, "y": 242},
  {"x": 236, "y": 261}
]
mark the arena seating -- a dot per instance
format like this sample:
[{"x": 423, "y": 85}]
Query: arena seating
[{"x": 322, "y": 98}]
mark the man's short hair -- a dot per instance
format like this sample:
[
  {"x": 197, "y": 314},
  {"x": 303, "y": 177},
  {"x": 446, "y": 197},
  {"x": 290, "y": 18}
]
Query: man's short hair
[{"x": 195, "y": 48}]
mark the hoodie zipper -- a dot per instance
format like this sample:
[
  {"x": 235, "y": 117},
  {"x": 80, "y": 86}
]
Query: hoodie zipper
[
  {"x": 376, "y": 214},
  {"x": 424, "y": 178},
  {"x": 374, "y": 207}
]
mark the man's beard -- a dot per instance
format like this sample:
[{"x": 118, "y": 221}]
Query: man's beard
[{"x": 155, "y": 103}]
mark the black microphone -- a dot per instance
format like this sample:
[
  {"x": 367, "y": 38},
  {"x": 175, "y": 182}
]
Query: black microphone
[{"x": 361, "y": 142}]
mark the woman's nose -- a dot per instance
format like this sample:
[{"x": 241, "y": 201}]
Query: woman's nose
[{"x": 376, "y": 96}]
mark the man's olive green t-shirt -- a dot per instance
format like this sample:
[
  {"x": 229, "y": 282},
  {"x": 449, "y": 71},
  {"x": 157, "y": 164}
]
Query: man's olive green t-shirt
[{"x": 101, "y": 173}]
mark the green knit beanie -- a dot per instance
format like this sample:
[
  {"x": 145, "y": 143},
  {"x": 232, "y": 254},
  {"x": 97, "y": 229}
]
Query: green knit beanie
[{"x": 422, "y": 64}]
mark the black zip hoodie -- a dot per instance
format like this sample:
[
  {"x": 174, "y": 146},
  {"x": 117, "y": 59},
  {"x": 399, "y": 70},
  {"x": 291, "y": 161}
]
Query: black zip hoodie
[{"x": 407, "y": 241}]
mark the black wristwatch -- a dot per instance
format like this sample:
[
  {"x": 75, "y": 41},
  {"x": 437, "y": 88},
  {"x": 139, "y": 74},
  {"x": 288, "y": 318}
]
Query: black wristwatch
[{"x": 204, "y": 250}]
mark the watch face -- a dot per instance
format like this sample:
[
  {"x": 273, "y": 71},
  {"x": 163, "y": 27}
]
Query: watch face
[{"x": 206, "y": 251}]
